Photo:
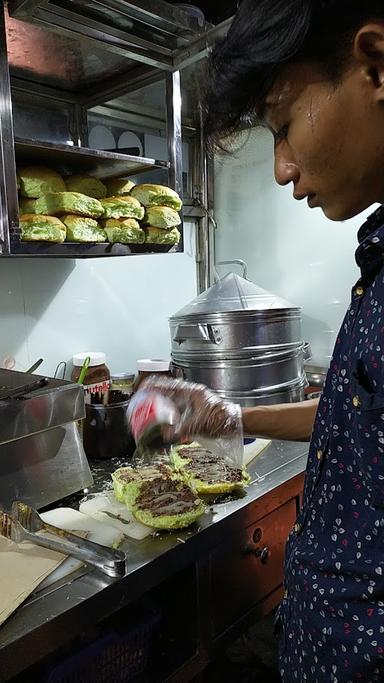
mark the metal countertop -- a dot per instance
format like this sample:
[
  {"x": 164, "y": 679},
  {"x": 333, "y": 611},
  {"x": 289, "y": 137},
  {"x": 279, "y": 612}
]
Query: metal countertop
[{"x": 50, "y": 618}]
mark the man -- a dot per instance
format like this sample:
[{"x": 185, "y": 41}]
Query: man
[{"x": 313, "y": 73}]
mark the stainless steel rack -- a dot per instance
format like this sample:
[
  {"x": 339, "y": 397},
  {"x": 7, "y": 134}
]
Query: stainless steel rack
[
  {"x": 72, "y": 56},
  {"x": 68, "y": 159}
]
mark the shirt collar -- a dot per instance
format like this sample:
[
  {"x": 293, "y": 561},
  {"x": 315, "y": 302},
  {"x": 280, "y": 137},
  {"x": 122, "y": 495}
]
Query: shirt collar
[{"x": 370, "y": 252}]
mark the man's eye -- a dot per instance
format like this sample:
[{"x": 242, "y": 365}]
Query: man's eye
[{"x": 282, "y": 133}]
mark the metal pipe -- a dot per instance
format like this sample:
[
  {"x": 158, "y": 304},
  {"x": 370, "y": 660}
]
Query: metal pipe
[
  {"x": 8, "y": 189},
  {"x": 203, "y": 192},
  {"x": 173, "y": 113}
]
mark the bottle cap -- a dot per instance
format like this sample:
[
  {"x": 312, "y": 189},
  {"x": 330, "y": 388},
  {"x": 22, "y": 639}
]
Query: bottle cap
[
  {"x": 153, "y": 365},
  {"x": 123, "y": 375},
  {"x": 97, "y": 358}
]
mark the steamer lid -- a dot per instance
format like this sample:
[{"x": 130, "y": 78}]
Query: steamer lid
[{"x": 234, "y": 293}]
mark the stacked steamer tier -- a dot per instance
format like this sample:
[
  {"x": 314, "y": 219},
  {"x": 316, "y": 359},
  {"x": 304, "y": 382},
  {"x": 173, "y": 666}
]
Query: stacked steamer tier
[{"x": 241, "y": 341}]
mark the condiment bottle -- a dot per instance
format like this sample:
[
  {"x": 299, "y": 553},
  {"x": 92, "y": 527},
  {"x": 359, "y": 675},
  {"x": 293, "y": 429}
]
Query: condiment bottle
[
  {"x": 149, "y": 366},
  {"x": 97, "y": 380}
]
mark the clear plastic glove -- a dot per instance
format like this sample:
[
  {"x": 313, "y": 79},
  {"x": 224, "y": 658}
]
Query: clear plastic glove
[{"x": 203, "y": 415}]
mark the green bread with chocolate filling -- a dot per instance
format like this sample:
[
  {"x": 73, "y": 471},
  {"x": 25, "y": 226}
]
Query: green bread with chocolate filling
[
  {"x": 207, "y": 472},
  {"x": 85, "y": 184},
  {"x": 74, "y": 203},
  {"x": 160, "y": 236},
  {"x": 123, "y": 230},
  {"x": 123, "y": 206},
  {"x": 82, "y": 229},
  {"x": 35, "y": 181},
  {"x": 36, "y": 228},
  {"x": 162, "y": 217},
  {"x": 127, "y": 479},
  {"x": 163, "y": 503},
  {"x": 150, "y": 194}
]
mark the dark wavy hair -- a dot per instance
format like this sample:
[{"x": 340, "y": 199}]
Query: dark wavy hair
[{"x": 265, "y": 36}]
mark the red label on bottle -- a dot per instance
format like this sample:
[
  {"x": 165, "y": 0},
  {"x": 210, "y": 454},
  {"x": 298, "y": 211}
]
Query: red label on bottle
[{"x": 143, "y": 415}]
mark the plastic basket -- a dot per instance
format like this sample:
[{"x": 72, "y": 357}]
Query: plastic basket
[{"x": 114, "y": 658}]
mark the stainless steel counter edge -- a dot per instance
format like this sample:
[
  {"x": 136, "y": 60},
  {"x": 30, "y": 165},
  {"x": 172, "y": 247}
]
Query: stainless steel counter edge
[{"x": 52, "y": 618}]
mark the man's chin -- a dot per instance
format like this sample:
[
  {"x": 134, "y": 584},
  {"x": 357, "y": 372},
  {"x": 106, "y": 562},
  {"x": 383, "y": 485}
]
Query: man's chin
[
  {"x": 339, "y": 214},
  {"x": 343, "y": 213}
]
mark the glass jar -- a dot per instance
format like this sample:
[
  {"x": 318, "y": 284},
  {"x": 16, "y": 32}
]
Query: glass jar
[
  {"x": 151, "y": 366},
  {"x": 121, "y": 387},
  {"x": 97, "y": 380}
]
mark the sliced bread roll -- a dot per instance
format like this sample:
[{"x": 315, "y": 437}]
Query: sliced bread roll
[
  {"x": 123, "y": 206},
  {"x": 35, "y": 228},
  {"x": 83, "y": 229},
  {"x": 207, "y": 472},
  {"x": 123, "y": 230},
  {"x": 85, "y": 184},
  {"x": 162, "y": 217},
  {"x": 166, "y": 504},
  {"x": 160, "y": 236},
  {"x": 118, "y": 186},
  {"x": 156, "y": 195},
  {"x": 34, "y": 181},
  {"x": 74, "y": 203}
]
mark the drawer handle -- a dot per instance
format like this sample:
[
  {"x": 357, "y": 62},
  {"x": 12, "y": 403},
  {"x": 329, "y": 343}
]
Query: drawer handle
[{"x": 263, "y": 553}]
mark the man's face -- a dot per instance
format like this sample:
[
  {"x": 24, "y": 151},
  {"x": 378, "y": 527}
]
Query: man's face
[{"x": 329, "y": 138}]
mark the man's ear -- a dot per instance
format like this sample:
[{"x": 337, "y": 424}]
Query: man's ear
[{"x": 368, "y": 49}]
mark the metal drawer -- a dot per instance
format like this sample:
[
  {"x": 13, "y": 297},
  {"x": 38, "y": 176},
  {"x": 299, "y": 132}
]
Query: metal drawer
[{"x": 249, "y": 566}]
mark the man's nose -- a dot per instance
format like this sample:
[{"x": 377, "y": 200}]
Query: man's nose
[{"x": 286, "y": 171}]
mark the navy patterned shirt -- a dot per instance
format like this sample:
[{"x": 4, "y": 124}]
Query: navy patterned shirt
[{"x": 332, "y": 614}]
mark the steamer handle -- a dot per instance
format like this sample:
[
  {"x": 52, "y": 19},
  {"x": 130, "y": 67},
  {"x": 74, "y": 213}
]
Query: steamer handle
[
  {"x": 238, "y": 262},
  {"x": 307, "y": 351},
  {"x": 205, "y": 333}
]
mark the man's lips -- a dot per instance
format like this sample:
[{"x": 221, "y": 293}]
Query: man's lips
[
  {"x": 311, "y": 201},
  {"x": 310, "y": 196}
]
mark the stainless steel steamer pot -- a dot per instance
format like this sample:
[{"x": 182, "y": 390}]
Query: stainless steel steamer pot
[
  {"x": 242, "y": 342},
  {"x": 234, "y": 317}
]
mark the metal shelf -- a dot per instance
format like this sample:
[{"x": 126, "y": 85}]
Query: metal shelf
[
  {"x": 68, "y": 159},
  {"x": 157, "y": 28},
  {"x": 147, "y": 31},
  {"x": 81, "y": 250}
]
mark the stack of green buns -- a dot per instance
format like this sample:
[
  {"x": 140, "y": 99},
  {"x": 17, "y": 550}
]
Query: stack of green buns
[
  {"x": 81, "y": 208},
  {"x": 161, "y": 216}
]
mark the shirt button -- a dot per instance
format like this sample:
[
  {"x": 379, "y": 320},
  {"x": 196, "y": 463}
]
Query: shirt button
[
  {"x": 285, "y": 595},
  {"x": 319, "y": 454},
  {"x": 359, "y": 291},
  {"x": 296, "y": 528},
  {"x": 356, "y": 401}
]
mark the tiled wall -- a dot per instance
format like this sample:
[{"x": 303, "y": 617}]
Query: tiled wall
[
  {"x": 290, "y": 250},
  {"x": 52, "y": 308}
]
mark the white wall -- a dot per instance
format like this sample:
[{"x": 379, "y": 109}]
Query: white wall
[
  {"x": 291, "y": 250},
  {"x": 52, "y": 308}
]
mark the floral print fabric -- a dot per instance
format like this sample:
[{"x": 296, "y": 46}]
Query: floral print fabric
[{"x": 332, "y": 614}]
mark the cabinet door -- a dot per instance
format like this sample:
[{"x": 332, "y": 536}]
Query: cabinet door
[{"x": 249, "y": 566}]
